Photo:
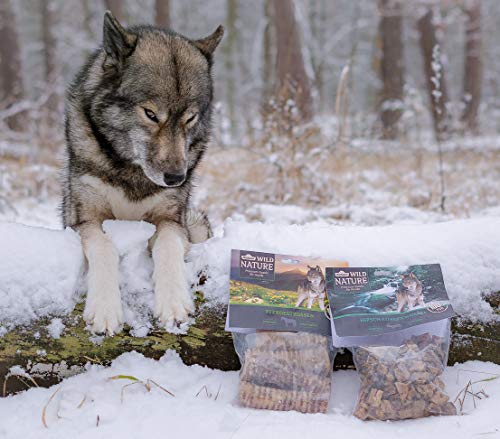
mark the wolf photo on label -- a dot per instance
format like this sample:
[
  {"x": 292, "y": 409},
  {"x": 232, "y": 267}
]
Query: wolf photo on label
[
  {"x": 397, "y": 322},
  {"x": 280, "y": 331}
]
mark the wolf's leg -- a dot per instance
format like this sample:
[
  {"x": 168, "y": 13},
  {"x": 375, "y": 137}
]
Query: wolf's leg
[
  {"x": 172, "y": 299},
  {"x": 103, "y": 308},
  {"x": 310, "y": 301},
  {"x": 321, "y": 302},
  {"x": 401, "y": 301},
  {"x": 301, "y": 298},
  {"x": 421, "y": 300}
]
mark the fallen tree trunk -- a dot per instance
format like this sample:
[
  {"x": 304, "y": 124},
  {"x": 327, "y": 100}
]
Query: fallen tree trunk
[{"x": 48, "y": 360}]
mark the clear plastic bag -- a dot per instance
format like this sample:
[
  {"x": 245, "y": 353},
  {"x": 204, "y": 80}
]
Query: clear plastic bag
[
  {"x": 284, "y": 370},
  {"x": 404, "y": 381}
]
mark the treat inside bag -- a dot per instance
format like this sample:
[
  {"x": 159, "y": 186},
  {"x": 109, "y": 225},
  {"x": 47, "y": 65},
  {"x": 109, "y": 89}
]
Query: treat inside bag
[
  {"x": 403, "y": 382},
  {"x": 284, "y": 371},
  {"x": 396, "y": 321}
]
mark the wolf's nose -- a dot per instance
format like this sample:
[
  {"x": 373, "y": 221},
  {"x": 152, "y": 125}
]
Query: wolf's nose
[{"x": 173, "y": 179}]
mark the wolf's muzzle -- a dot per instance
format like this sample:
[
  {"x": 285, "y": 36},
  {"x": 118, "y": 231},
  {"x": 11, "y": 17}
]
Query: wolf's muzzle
[{"x": 174, "y": 179}]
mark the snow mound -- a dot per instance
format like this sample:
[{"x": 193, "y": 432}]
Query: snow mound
[
  {"x": 39, "y": 272},
  {"x": 90, "y": 406},
  {"x": 468, "y": 251}
]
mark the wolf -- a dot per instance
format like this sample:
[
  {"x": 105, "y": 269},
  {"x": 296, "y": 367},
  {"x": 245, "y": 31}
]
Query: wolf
[
  {"x": 312, "y": 288},
  {"x": 138, "y": 119},
  {"x": 410, "y": 292}
]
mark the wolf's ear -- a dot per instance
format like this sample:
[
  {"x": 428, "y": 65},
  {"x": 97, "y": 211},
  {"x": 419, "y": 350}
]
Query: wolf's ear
[
  {"x": 208, "y": 44},
  {"x": 117, "y": 42}
]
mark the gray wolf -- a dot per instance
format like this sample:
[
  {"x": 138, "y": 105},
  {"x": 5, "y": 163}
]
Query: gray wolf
[
  {"x": 138, "y": 118},
  {"x": 410, "y": 293},
  {"x": 312, "y": 288},
  {"x": 289, "y": 323}
]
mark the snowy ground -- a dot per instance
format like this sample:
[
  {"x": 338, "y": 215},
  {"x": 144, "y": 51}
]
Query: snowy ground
[
  {"x": 362, "y": 183},
  {"x": 89, "y": 406}
]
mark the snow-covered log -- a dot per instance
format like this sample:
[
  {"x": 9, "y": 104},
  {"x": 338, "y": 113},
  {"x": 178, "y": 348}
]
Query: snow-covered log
[{"x": 42, "y": 293}]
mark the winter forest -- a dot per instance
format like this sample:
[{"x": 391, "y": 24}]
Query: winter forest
[{"x": 366, "y": 111}]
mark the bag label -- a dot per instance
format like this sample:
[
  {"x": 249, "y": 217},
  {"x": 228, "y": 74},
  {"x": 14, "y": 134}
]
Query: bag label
[
  {"x": 276, "y": 292},
  {"x": 375, "y": 300}
]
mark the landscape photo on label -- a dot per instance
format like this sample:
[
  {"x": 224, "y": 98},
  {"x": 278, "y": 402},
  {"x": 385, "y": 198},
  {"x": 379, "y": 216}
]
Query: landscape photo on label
[{"x": 293, "y": 282}]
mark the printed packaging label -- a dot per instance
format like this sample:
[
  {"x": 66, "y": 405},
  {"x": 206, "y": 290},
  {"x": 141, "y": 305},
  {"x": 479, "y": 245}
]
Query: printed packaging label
[
  {"x": 368, "y": 301},
  {"x": 269, "y": 291}
]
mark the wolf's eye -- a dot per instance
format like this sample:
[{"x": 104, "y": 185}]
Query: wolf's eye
[
  {"x": 191, "y": 119},
  {"x": 151, "y": 115}
]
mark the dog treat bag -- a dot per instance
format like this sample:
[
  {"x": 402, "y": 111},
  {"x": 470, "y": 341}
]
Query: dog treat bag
[
  {"x": 284, "y": 370},
  {"x": 281, "y": 333},
  {"x": 396, "y": 320}
]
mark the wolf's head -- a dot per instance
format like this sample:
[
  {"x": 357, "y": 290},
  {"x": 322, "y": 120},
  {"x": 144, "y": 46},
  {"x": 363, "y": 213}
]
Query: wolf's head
[
  {"x": 151, "y": 100},
  {"x": 314, "y": 275},
  {"x": 409, "y": 280}
]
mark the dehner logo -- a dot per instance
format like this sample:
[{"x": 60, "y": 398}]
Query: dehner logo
[
  {"x": 248, "y": 257},
  {"x": 341, "y": 273},
  {"x": 436, "y": 307}
]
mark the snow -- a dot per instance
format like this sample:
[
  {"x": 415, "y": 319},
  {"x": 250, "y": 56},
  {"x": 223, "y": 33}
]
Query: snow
[
  {"x": 205, "y": 406},
  {"x": 42, "y": 270},
  {"x": 56, "y": 327},
  {"x": 39, "y": 272},
  {"x": 468, "y": 251}
]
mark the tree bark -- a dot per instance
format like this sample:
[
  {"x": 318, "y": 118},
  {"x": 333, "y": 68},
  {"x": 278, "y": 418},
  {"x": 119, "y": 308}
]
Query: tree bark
[
  {"x": 435, "y": 75},
  {"x": 292, "y": 80},
  {"x": 49, "y": 360},
  {"x": 391, "y": 68},
  {"x": 473, "y": 66},
  {"x": 162, "y": 13},
  {"x": 10, "y": 64},
  {"x": 267, "y": 63},
  {"x": 47, "y": 11},
  {"x": 229, "y": 61}
]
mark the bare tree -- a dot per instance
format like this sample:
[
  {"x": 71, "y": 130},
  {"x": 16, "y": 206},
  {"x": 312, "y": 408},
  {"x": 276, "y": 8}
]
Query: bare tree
[
  {"x": 435, "y": 75},
  {"x": 391, "y": 68},
  {"x": 10, "y": 63},
  {"x": 473, "y": 65},
  {"x": 47, "y": 12},
  {"x": 229, "y": 61},
  {"x": 317, "y": 18},
  {"x": 162, "y": 13},
  {"x": 267, "y": 63},
  {"x": 116, "y": 8},
  {"x": 291, "y": 73}
]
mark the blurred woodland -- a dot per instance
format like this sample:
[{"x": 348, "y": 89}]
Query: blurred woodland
[{"x": 332, "y": 99}]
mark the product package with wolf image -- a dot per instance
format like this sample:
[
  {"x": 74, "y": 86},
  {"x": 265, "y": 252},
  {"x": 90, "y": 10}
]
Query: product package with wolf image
[
  {"x": 281, "y": 332},
  {"x": 396, "y": 321}
]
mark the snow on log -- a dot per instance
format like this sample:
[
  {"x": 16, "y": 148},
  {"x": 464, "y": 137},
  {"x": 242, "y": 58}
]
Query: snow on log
[{"x": 42, "y": 289}]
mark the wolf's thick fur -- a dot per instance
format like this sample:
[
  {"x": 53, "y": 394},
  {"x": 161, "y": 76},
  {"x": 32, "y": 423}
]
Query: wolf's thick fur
[
  {"x": 410, "y": 293},
  {"x": 138, "y": 121},
  {"x": 312, "y": 288}
]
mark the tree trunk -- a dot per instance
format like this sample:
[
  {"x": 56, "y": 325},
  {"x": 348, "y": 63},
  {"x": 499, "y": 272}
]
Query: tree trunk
[
  {"x": 292, "y": 80},
  {"x": 162, "y": 13},
  {"x": 49, "y": 360},
  {"x": 267, "y": 63},
  {"x": 116, "y": 8},
  {"x": 10, "y": 64},
  {"x": 391, "y": 68},
  {"x": 317, "y": 17},
  {"x": 229, "y": 61},
  {"x": 47, "y": 11},
  {"x": 473, "y": 66},
  {"x": 435, "y": 75}
]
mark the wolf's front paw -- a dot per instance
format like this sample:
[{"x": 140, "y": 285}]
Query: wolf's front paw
[
  {"x": 172, "y": 304},
  {"x": 103, "y": 312}
]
